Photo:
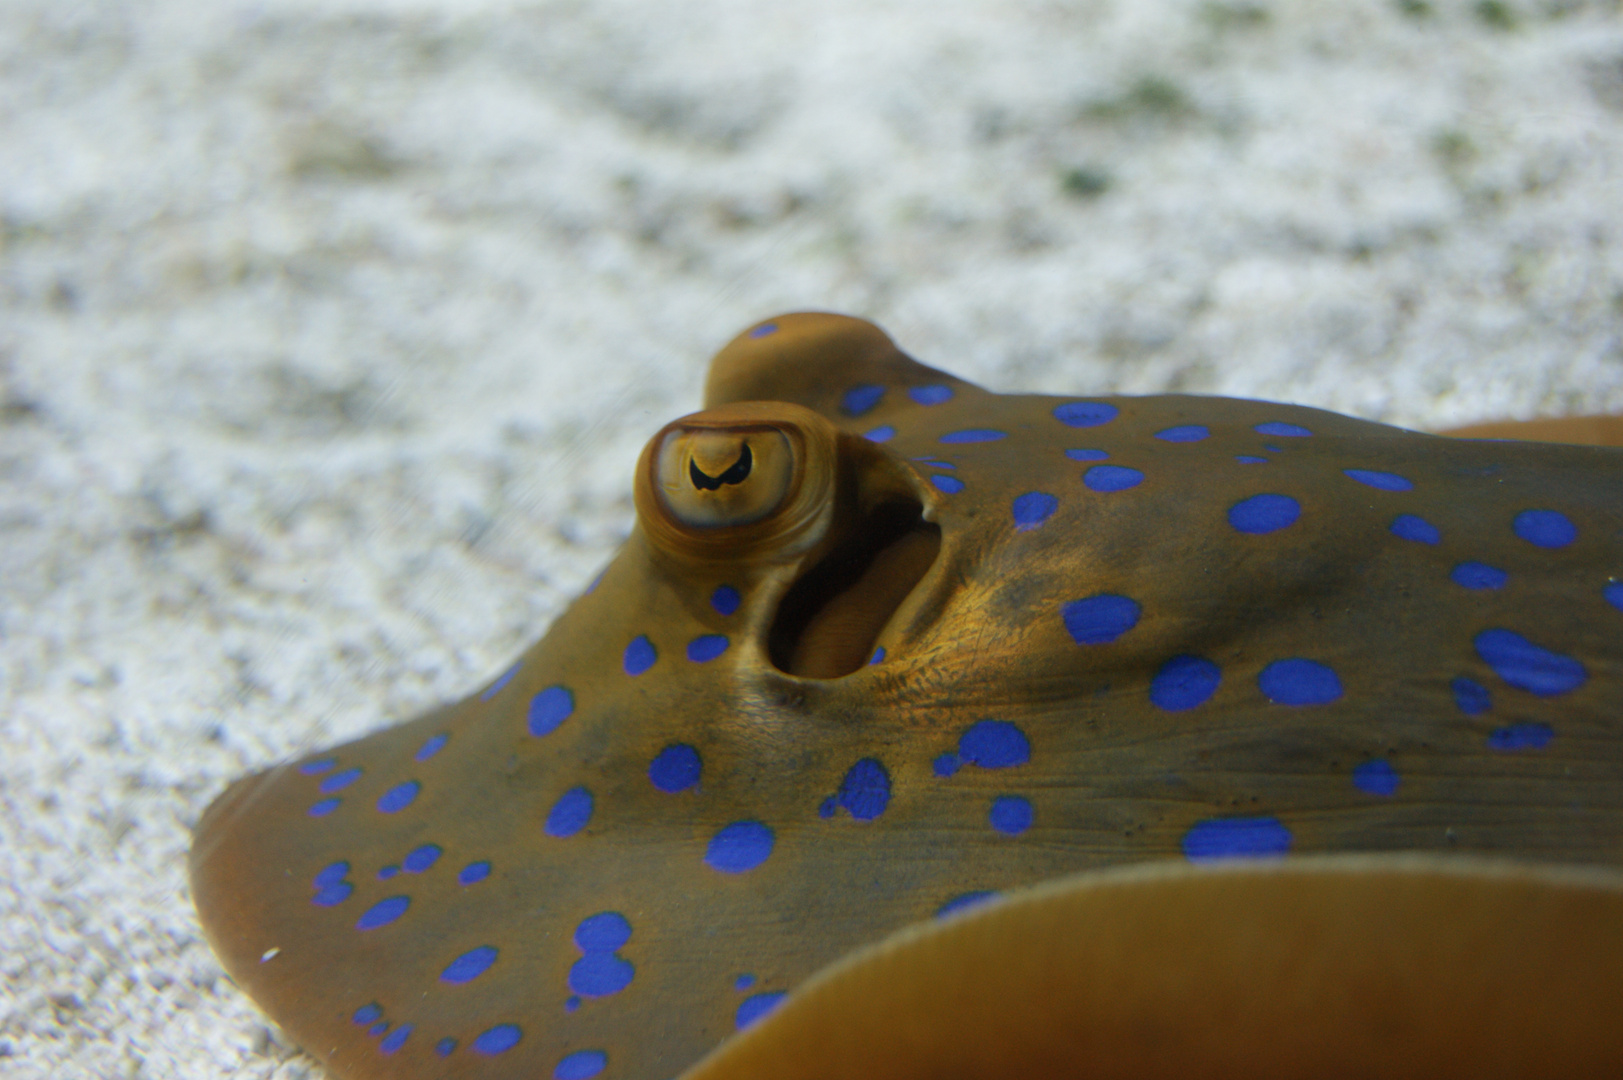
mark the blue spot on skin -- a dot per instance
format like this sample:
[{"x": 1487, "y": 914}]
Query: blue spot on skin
[
  {"x": 321, "y": 765},
  {"x": 502, "y": 680},
  {"x": 639, "y": 656},
  {"x": 865, "y": 791},
  {"x": 445, "y": 1047},
  {"x": 600, "y": 975},
  {"x": 949, "y": 484},
  {"x": 383, "y": 913},
  {"x": 934, "y": 464},
  {"x": 1236, "y": 838},
  {"x": 878, "y": 655},
  {"x": 473, "y": 872},
  {"x": 332, "y": 895},
  {"x": 338, "y": 781},
  {"x": 396, "y": 1038},
  {"x": 432, "y": 747},
  {"x": 1010, "y": 814},
  {"x": 605, "y": 932},
  {"x": 1032, "y": 509},
  {"x": 582, "y": 1064},
  {"x": 882, "y": 433},
  {"x": 498, "y": 1040},
  {"x": 590, "y": 589},
  {"x": 399, "y": 797},
  {"x": 1475, "y": 575},
  {"x": 1418, "y": 529},
  {"x": 1472, "y": 697},
  {"x": 324, "y": 807},
  {"x": 366, "y": 1014},
  {"x": 992, "y": 744},
  {"x": 1282, "y": 430},
  {"x": 1375, "y": 778},
  {"x": 1545, "y": 528},
  {"x": 946, "y": 765},
  {"x": 387, "y": 872},
  {"x": 675, "y": 768},
  {"x": 974, "y": 435},
  {"x": 738, "y": 847},
  {"x": 422, "y": 857},
  {"x": 1385, "y": 481},
  {"x": 1261, "y": 514},
  {"x": 1527, "y": 666},
  {"x": 930, "y": 395},
  {"x": 753, "y": 1008},
  {"x": 859, "y": 399},
  {"x": 470, "y": 965},
  {"x": 1184, "y": 682},
  {"x": 725, "y": 599},
  {"x": 550, "y": 708},
  {"x": 1248, "y": 459},
  {"x": 1525, "y": 736},
  {"x": 1107, "y": 478},
  {"x": 1184, "y": 433},
  {"x": 571, "y": 1003},
  {"x": 1099, "y": 620},
  {"x": 764, "y": 329},
  {"x": 706, "y": 647},
  {"x": 1614, "y": 594},
  {"x": 964, "y": 901},
  {"x": 570, "y": 813},
  {"x": 378, "y": 1029},
  {"x": 1299, "y": 682},
  {"x": 1086, "y": 455},
  {"x": 1085, "y": 413},
  {"x": 331, "y": 875},
  {"x": 743, "y": 982}
]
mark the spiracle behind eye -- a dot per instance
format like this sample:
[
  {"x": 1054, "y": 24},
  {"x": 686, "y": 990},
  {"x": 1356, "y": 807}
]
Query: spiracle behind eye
[{"x": 714, "y": 477}]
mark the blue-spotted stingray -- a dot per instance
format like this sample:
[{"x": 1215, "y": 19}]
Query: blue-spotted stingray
[{"x": 883, "y": 650}]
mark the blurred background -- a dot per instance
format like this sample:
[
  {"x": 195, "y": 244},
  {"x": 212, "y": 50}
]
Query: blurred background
[{"x": 329, "y": 332}]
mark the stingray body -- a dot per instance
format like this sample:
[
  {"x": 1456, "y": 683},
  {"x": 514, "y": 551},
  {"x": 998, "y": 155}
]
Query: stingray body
[{"x": 883, "y": 644}]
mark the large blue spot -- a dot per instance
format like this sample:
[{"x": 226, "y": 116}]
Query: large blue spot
[
  {"x": 639, "y": 655},
  {"x": 882, "y": 433},
  {"x": 332, "y": 895},
  {"x": 474, "y": 872},
  {"x": 1470, "y": 696},
  {"x": 470, "y": 965},
  {"x": 1385, "y": 481},
  {"x": 754, "y": 1007},
  {"x": 396, "y": 1038},
  {"x": 1086, "y": 455},
  {"x": 725, "y": 599},
  {"x": 1184, "y": 433},
  {"x": 331, "y": 874},
  {"x": 706, "y": 647},
  {"x": 1418, "y": 529},
  {"x": 1614, "y": 594},
  {"x": 1282, "y": 430},
  {"x": 1262, "y": 514},
  {"x": 422, "y": 857},
  {"x": 738, "y": 847},
  {"x": 1101, "y": 619},
  {"x": 1184, "y": 682},
  {"x": 1107, "y": 478},
  {"x": 1545, "y": 528},
  {"x": 498, "y": 1040},
  {"x": 964, "y": 901},
  {"x": 600, "y": 975},
  {"x": 338, "y": 781},
  {"x": 383, "y": 913},
  {"x": 582, "y": 1064},
  {"x": 993, "y": 744},
  {"x": 1524, "y": 736},
  {"x": 1085, "y": 413},
  {"x": 605, "y": 932},
  {"x": 324, "y": 807},
  {"x": 1375, "y": 777},
  {"x": 859, "y": 399},
  {"x": 1475, "y": 575},
  {"x": 1299, "y": 682},
  {"x": 1236, "y": 838},
  {"x": 974, "y": 435},
  {"x": 399, "y": 797},
  {"x": 550, "y": 708},
  {"x": 1010, "y": 814},
  {"x": 1527, "y": 666},
  {"x": 865, "y": 791},
  {"x": 432, "y": 747},
  {"x": 1032, "y": 509},
  {"x": 570, "y": 813},
  {"x": 930, "y": 395},
  {"x": 675, "y": 768},
  {"x": 949, "y": 485},
  {"x": 501, "y": 682}
]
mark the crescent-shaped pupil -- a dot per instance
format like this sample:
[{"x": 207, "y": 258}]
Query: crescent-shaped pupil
[{"x": 736, "y": 473}]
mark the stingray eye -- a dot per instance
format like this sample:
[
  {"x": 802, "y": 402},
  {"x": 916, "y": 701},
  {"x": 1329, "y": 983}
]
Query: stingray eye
[{"x": 715, "y": 477}]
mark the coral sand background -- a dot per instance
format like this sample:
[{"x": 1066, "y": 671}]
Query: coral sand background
[{"x": 331, "y": 329}]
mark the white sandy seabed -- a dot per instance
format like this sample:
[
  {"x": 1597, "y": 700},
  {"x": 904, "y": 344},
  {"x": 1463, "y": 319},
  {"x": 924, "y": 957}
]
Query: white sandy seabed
[{"x": 331, "y": 331}]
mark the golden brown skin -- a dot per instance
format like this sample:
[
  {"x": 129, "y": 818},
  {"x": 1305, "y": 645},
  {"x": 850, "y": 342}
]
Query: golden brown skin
[{"x": 1575, "y": 430}]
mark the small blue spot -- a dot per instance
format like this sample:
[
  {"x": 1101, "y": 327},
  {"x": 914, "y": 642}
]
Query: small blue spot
[
  {"x": 725, "y": 599},
  {"x": 993, "y": 744},
  {"x": 445, "y": 1047},
  {"x": 324, "y": 807},
  {"x": 930, "y": 395},
  {"x": 974, "y": 435},
  {"x": 1418, "y": 529},
  {"x": 1282, "y": 430},
  {"x": 1299, "y": 682},
  {"x": 1545, "y": 528},
  {"x": 318, "y": 766},
  {"x": 366, "y": 1014},
  {"x": 570, "y": 813},
  {"x": 498, "y": 1040},
  {"x": 640, "y": 655},
  {"x": 1273, "y": 449},
  {"x": 1184, "y": 682},
  {"x": 738, "y": 847},
  {"x": 474, "y": 872},
  {"x": 1107, "y": 478},
  {"x": 1475, "y": 575},
  {"x": 878, "y": 655},
  {"x": 1184, "y": 433},
  {"x": 1614, "y": 594},
  {"x": 1085, "y": 413},
  {"x": 383, "y": 913},
  {"x": 1527, "y": 666},
  {"x": 502, "y": 680},
  {"x": 1086, "y": 455},
  {"x": 1375, "y": 777},
  {"x": 964, "y": 901},
  {"x": 859, "y": 399},
  {"x": 583, "y": 1064},
  {"x": 882, "y": 433},
  {"x": 470, "y": 965},
  {"x": 951, "y": 485},
  {"x": 706, "y": 647},
  {"x": 1261, "y": 514},
  {"x": 1032, "y": 509},
  {"x": 399, "y": 797},
  {"x": 1471, "y": 697},
  {"x": 387, "y": 872},
  {"x": 1236, "y": 838},
  {"x": 605, "y": 932},
  {"x": 550, "y": 708},
  {"x": 571, "y": 1003},
  {"x": 331, "y": 875},
  {"x": 865, "y": 791},
  {"x": 422, "y": 857},
  {"x": 764, "y": 329},
  {"x": 332, "y": 895},
  {"x": 432, "y": 746},
  {"x": 1250, "y": 459},
  {"x": 338, "y": 781},
  {"x": 743, "y": 982},
  {"x": 600, "y": 975},
  {"x": 1526, "y": 736},
  {"x": 1101, "y": 619},
  {"x": 934, "y": 464},
  {"x": 592, "y": 588},
  {"x": 675, "y": 768},
  {"x": 378, "y": 1028},
  {"x": 1385, "y": 481},
  {"x": 753, "y": 1008},
  {"x": 396, "y": 1038},
  {"x": 1010, "y": 814},
  {"x": 946, "y": 764}
]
